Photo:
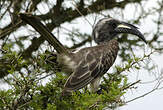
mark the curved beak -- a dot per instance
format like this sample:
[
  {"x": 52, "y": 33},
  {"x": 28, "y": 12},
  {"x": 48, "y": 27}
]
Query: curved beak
[{"x": 130, "y": 29}]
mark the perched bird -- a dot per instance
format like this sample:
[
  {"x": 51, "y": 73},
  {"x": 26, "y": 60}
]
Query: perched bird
[{"x": 88, "y": 65}]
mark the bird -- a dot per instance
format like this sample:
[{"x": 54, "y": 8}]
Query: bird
[
  {"x": 88, "y": 65},
  {"x": 91, "y": 63}
]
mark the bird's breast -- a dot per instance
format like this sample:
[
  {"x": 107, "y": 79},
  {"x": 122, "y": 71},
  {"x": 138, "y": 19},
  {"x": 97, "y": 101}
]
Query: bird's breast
[{"x": 110, "y": 52}]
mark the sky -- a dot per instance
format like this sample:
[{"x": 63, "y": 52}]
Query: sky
[{"x": 153, "y": 100}]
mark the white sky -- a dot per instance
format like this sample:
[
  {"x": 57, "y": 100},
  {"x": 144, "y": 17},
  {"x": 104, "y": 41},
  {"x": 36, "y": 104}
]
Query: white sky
[{"x": 152, "y": 101}]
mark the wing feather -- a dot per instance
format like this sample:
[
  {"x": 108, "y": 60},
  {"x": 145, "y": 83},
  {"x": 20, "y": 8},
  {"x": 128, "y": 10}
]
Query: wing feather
[
  {"x": 86, "y": 71},
  {"x": 93, "y": 63}
]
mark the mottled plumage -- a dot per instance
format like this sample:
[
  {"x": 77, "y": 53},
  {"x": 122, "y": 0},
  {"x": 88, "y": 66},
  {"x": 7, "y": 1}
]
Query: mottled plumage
[{"x": 89, "y": 64}]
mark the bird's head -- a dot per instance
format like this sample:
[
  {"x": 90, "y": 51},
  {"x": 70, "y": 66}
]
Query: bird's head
[{"x": 108, "y": 28}]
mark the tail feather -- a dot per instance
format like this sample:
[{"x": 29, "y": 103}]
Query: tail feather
[{"x": 44, "y": 31}]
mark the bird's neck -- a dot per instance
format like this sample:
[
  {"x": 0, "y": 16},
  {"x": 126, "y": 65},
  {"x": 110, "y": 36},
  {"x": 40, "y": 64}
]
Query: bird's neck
[{"x": 108, "y": 42}]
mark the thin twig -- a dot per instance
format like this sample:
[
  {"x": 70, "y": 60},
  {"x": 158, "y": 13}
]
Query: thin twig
[
  {"x": 81, "y": 14},
  {"x": 154, "y": 89},
  {"x": 131, "y": 85}
]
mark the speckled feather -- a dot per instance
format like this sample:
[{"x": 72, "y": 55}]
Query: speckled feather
[{"x": 90, "y": 63}]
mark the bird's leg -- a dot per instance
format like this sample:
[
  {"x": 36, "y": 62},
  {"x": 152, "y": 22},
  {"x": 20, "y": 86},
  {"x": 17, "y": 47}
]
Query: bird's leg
[{"x": 94, "y": 86}]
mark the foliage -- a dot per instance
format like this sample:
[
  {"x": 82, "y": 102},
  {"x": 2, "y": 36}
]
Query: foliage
[
  {"x": 36, "y": 83},
  {"x": 27, "y": 91}
]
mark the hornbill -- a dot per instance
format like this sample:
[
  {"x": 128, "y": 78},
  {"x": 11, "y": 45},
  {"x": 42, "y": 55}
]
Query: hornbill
[{"x": 89, "y": 64}]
